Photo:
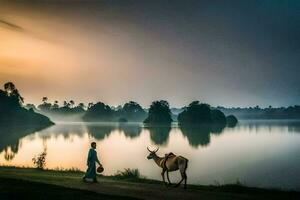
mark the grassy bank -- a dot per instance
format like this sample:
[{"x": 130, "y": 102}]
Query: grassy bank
[{"x": 127, "y": 184}]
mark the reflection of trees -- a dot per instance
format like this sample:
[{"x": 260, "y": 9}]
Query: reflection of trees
[
  {"x": 294, "y": 127},
  {"x": 217, "y": 129},
  {"x": 159, "y": 135},
  {"x": 291, "y": 126},
  {"x": 130, "y": 131},
  {"x": 197, "y": 135},
  {"x": 65, "y": 130},
  {"x": 40, "y": 160},
  {"x": 10, "y": 137},
  {"x": 200, "y": 135},
  {"x": 104, "y": 130},
  {"x": 11, "y": 151},
  {"x": 100, "y": 132}
]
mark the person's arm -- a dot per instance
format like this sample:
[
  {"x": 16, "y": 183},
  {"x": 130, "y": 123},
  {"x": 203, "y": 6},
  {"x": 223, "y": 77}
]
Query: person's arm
[{"x": 96, "y": 159}]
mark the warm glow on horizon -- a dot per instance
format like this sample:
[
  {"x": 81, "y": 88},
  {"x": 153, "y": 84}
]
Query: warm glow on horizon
[{"x": 103, "y": 52}]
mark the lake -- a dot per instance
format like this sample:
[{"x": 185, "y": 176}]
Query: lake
[{"x": 255, "y": 153}]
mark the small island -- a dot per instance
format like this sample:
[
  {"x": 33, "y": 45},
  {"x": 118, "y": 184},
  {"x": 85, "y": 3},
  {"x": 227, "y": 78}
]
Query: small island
[
  {"x": 198, "y": 114},
  {"x": 159, "y": 114}
]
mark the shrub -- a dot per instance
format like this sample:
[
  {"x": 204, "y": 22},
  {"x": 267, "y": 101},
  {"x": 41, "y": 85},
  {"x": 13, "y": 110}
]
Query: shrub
[
  {"x": 128, "y": 174},
  {"x": 40, "y": 160}
]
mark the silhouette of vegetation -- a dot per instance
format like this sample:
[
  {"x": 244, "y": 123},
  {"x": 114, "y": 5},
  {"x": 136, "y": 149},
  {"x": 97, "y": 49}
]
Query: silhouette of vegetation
[
  {"x": 16, "y": 121},
  {"x": 104, "y": 130},
  {"x": 200, "y": 135},
  {"x": 10, "y": 137},
  {"x": 231, "y": 120},
  {"x": 30, "y": 106},
  {"x": 218, "y": 116},
  {"x": 291, "y": 112},
  {"x": 159, "y": 113},
  {"x": 68, "y": 111},
  {"x": 130, "y": 130},
  {"x": 196, "y": 114},
  {"x": 100, "y": 132},
  {"x": 197, "y": 135},
  {"x": 132, "y": 111},
  {"x": 99, "y": 112},
  {"x": 128, "y": 174},
  {"x": 12, "y": 112},
  {"x": 40, "y": 160},
  {"x": 159, "y": 135}
]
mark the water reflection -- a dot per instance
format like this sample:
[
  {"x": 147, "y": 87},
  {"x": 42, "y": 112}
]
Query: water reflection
[
  {"x": 10, "y": 139},
  {"x": 159, "y": 135},
  {"x": 64, "y": 130},
  {"x": 101, "y": 131},
  {"x": 131, "y": 131},
  {"x": 199, "y": 136},
  {"x": 260, "y": 153}
]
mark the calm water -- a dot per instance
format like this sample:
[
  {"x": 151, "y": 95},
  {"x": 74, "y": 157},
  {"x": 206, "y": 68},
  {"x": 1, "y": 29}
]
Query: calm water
[{"x": 256, "y": 153}]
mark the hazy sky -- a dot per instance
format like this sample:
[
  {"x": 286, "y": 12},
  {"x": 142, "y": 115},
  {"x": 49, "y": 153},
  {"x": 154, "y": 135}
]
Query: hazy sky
[{"x": 231, "y": 53}]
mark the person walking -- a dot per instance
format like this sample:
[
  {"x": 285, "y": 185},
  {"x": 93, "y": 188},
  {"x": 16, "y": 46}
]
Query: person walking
[{"x": 91, "y": 163}]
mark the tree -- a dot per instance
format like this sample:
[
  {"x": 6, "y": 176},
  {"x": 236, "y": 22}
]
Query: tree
[
  {"x": 55, "y": 105},
  {"x": 45, "y": 106},
  {"x": 13, "y": 114},
  {"x": 13, "y": 92},
  {"x": 218, "y": 117},
  {"x": 44, "y": 99},
  {"x": 30, "y": 106},
  {"x": 231, "y": 120},
  {"x": 81, "y": 105},
  {"x": 9, "y": 98},
  {"x": 133, "y": 111},
  {"x": 40, "y": 160},
  {"x": 66, "y": 104},
  {"x": 72, "y": 103},
  {"x": 90, "y": 104},
  {"x": 9, "y": 87},
  {"x": 159, "y": 113},
  {"x": 99, "y": 112},
  {"x": 195, "y": 113}
]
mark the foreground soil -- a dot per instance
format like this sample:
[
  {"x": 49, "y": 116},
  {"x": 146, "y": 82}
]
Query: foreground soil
[
  {"x": 11, "y": 189},
  {"x": 37, "y": 184}
]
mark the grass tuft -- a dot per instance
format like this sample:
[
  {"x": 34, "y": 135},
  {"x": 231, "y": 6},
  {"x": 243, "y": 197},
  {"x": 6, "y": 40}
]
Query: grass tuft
[
  {"x": 128, "y": 174},
  {"x": 72, "y": 169}
]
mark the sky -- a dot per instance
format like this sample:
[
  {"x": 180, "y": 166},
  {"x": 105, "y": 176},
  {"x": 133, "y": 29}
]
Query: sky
[{"x": 229, "y": 53}]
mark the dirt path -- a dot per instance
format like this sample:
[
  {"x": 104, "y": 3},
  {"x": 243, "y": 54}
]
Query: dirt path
[{"x": 149, "y": 191}]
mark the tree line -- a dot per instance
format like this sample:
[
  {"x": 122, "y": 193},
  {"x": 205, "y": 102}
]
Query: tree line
[
  {"x": 290, "y": 112},
  {"x": 159, "y": 113}
]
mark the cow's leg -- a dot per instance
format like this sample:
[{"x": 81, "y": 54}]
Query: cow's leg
[
  {"x": 163, "y": 176},
  {"x": 182, "y": 170},
  {"x": 168, "y": 178},
  {"x": 182, "y": 178},
  {"x": 185, "y": 180}
]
